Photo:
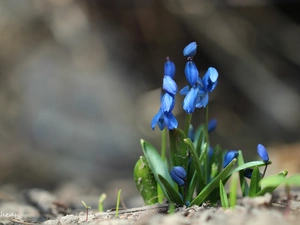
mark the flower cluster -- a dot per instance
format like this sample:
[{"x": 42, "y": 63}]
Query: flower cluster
[
  {"x": 196, "y": 93},
  {"x": 164, "y": 117},
  {"x": 194, "y": 170}
]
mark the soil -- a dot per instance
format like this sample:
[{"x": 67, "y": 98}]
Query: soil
[{"x": 37, "y": 206}]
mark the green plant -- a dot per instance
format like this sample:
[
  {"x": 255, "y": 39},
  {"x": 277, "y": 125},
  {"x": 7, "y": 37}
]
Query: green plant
[{"x": 194, "y": 172}]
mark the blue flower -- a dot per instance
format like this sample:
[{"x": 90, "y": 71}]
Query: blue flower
[
  {"x": 212, "y": 124},
  {"x": 210, "y": 79},
  {"x": 169, "y": 68},
  {"x": 178, "y": 174},
  {"x": 229, "y": 156},
  {"x": 191, "y": 72},
  {"x": 189, "y": 102},
  {"x": 164, "y": 119},
  {"x": 248, "y": 173},
  {"x": 263, "y": 153},
  {"x": 190, "y": 50},
  {"x": 169, "y": 85}
]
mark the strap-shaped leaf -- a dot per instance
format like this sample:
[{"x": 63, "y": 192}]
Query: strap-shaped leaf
[
  {"x": 272, "y": 182},
  {"x": 179, "y": 150},
  {"x": 254, "y": 183},
  {"x": 213, "y": 184},
  {"x": 145, "y": 181},
  {"x": 223, "y": 196},
  {"x": 249, "y": 165},
  {"x": 233, "y": 190},
  {"x": 172, "y": 193},
  {"x": 195, "y": 161},
  {"x": 156, "y": 164}
]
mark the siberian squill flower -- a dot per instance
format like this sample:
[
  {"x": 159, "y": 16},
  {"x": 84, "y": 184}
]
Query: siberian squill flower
[
  {"x": 212, "y": 124},
  {"x": 190, "y": 50},
  {"x": 263, "y": 153},
  {"x": 229, "y": 156},
  {"x": 196, "y": 93},
  {"x": 164, "y": 117},
  {"x": 178, "y": 174}
]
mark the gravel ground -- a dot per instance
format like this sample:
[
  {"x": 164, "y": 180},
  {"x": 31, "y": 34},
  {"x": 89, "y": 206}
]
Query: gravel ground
[{"x": 37, "y": 206}]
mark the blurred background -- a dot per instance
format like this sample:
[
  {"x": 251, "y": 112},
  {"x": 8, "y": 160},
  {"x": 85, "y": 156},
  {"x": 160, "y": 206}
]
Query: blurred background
[{"x": 80, "y": 83}]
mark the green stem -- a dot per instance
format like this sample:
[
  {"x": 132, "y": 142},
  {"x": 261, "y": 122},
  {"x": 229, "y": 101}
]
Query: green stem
[
  {"x": 206, "y": 163},
  {"x": 172, "y": 147},
  {"x": 188, "y": 120},
  {"x": 163, "y": 144}
]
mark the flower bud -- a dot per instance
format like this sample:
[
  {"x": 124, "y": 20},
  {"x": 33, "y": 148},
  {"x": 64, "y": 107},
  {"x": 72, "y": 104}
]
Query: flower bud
[
  {"x": 169, "y": 68},
  {"x": 178, "y": 174},
  {"x": 229, "y": 156},
  {"x": 191, "y": 72},
  {"x": 263, "y": 153},
  {"x": 190, "y": 50},
  {"x": 212, "y": 124}
]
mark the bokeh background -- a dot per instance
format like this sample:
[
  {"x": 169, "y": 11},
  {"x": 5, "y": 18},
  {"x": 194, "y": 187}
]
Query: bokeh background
[{"x": 80, "y": 82}]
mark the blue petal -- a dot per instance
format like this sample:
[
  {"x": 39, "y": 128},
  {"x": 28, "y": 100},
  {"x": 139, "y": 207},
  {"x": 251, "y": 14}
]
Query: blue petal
[
  {"x": 169, "y": 85},
  {"x": 169, "y": 68},
  {"x": 229, "y": 156},
  {"x": 179, "y": 171},
  {"x": 263, "y": 153},
  {"x": 184, "y": 90},
  {"x": 191, "y": 72},
  {"x": 170, "y": 121},
  {"x": 177, "y": 179},
  {"x": 155, "y": 119},
  {"x": 178, "y": 174},
  {"x": 212, "y": 124},
  {"x": 189, "y": 102},
  {"x": 202, "y": 100},
  {"x": 167, "y": 103},
  {"x": 210, "y": 79},
  {"x": 190, "y": 50},
  {"x": 248, "y": 173}
]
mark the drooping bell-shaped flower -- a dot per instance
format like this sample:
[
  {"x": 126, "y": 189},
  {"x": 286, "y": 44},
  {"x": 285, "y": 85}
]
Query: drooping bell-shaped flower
[
  {"x": 263, "y": 153},
  {"x": 164, "y": 120},
  {"x": 229, "y": 156},
  {"x": 210, "y": 79},
  {"x": 191, "y": 72},
  {"x": 190, "y": 50},
  {"x": 169, "y": 68},
  {"x": 178, "y": 174},
  {"x": 212, "y": 124}
]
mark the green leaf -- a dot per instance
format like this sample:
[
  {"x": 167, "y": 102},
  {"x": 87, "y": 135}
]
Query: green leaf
[
  {"x": 272, "y": 182},
  {"x": 172, "y": 193},
  {"x": 213, "y": 184},
  {"x": 249, "y": 165},
  {"x": 179, "y": 150},
  {"x": 156, "y": 164},
  {"x": 254, "y": 183},
  {"x": 233, "y": 190},
  {"x": 145, "y": 181},
  {"x": 195, "y": 161},
  {"x": 223, "y": 196},
  {"x": 243, "y": 182},
  {"x": 293, "y": 180}
]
